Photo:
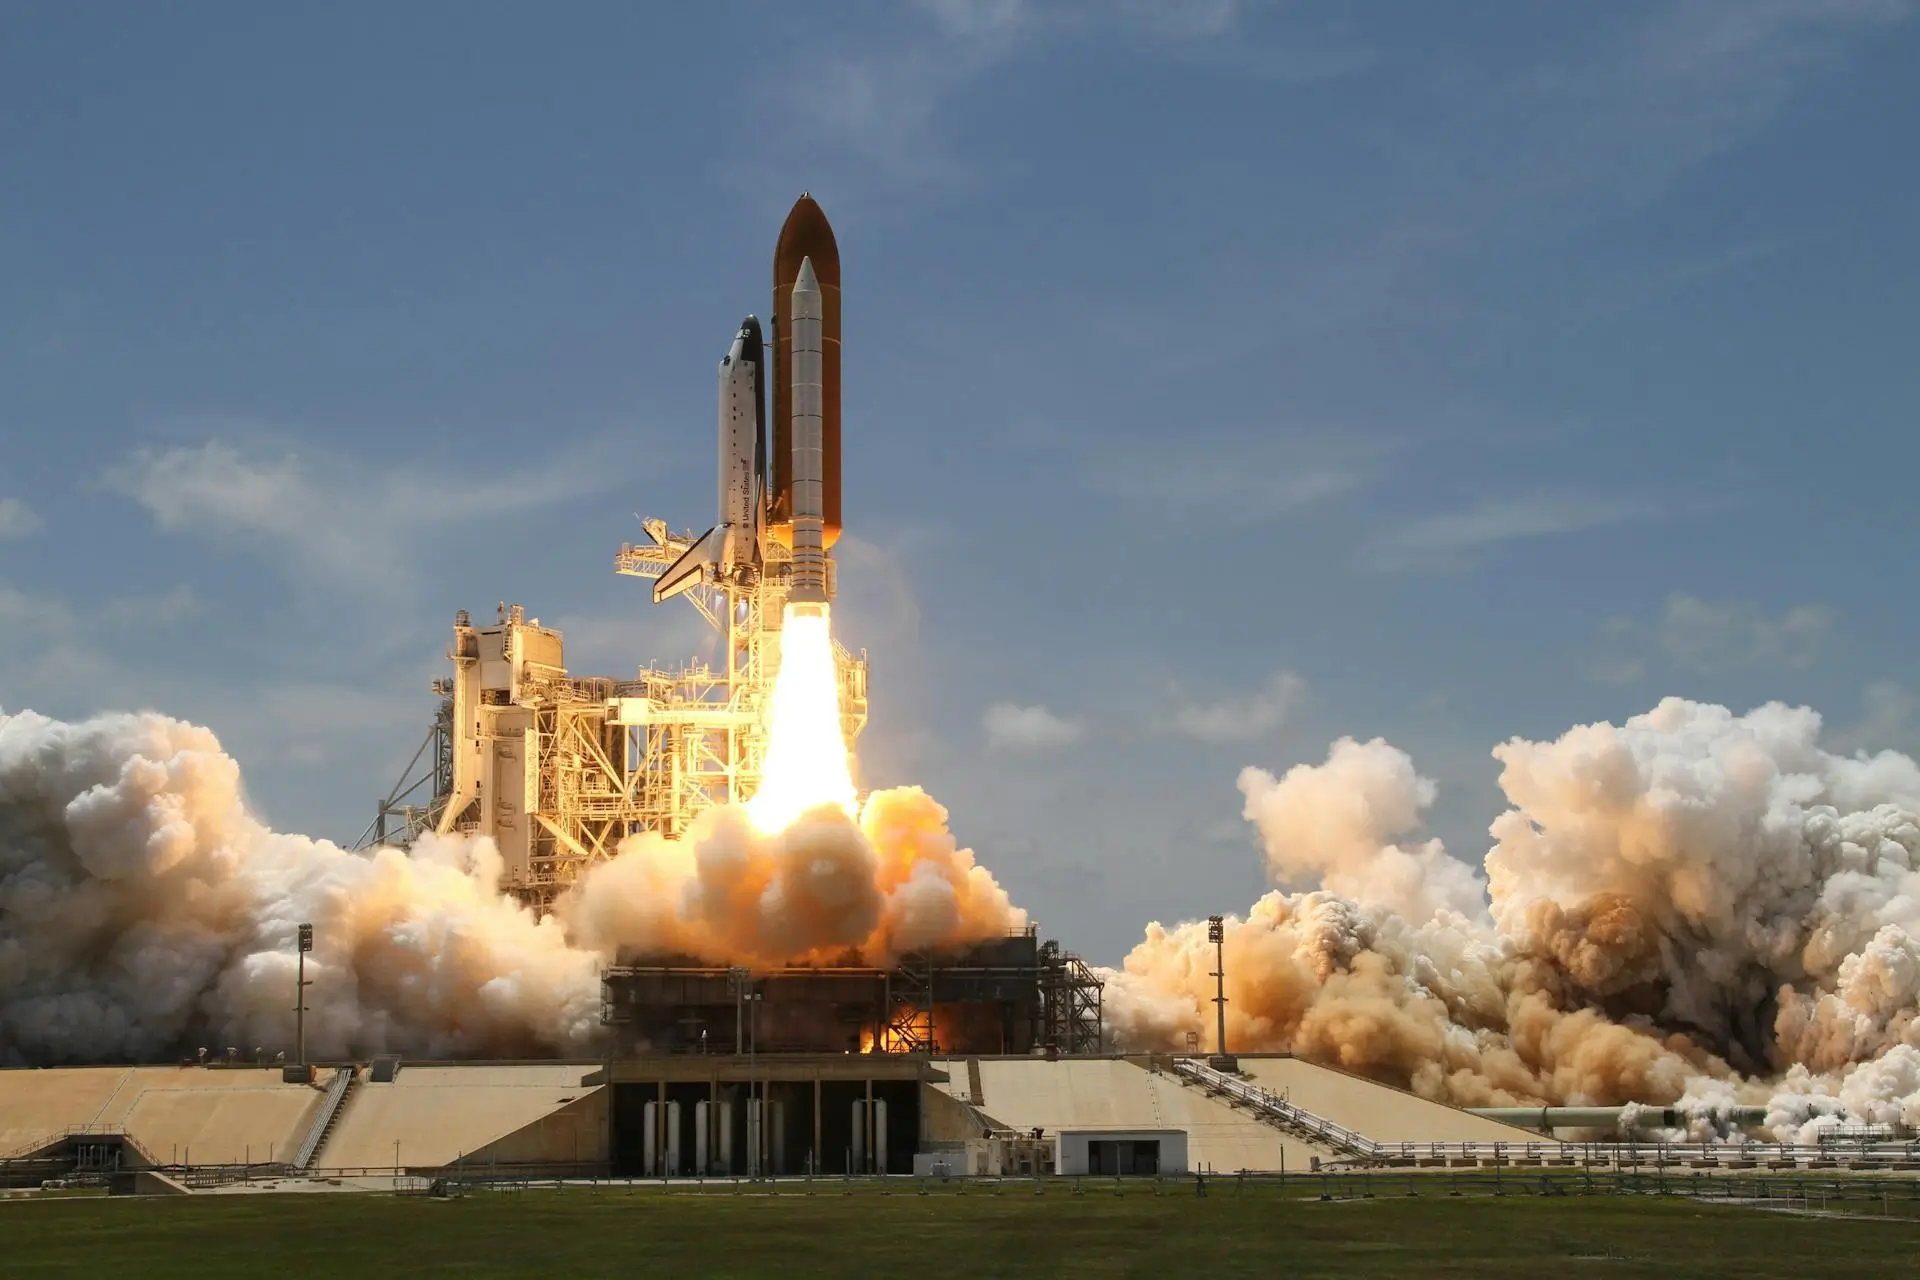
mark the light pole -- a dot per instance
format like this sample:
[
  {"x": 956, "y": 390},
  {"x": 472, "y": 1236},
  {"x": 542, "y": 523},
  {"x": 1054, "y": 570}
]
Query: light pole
[
  {"x": 738, "y": 977},
  {"x": 302, "y": 1071},
  {"x": 1217, "y": 935},
  {"x": 755, "y": 1108}
]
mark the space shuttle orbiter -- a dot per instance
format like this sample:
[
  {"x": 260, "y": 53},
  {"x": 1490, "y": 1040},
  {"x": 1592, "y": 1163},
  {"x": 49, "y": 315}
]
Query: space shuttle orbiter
[
  {"x": 786, "y": 495},
  {"x": 730, "y": 551}
]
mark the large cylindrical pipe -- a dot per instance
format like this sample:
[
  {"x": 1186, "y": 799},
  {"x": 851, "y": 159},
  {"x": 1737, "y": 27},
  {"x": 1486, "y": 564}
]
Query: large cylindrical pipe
[
  {"x": 1547, "y": 1119},
  {"x": 809, "y": 584},
  {"x": 806, "y": 235}
]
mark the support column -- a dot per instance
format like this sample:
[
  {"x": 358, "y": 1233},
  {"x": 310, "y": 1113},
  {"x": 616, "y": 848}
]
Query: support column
[
  {"x": 813, "y": 1157},
  {"x": 660, "y": 1134}
]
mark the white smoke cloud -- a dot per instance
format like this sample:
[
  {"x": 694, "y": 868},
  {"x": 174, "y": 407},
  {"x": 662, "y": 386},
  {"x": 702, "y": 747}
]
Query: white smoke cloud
[
  {"x": 1693, "y": 905},
  {"x": 895, "y": 881},
  {"x": 1334, "y": 825},
  {"x": 144, "y": 911}
]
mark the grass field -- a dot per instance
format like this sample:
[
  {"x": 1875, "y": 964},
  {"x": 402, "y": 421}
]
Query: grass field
[{"x": 1096, "y": 1233}]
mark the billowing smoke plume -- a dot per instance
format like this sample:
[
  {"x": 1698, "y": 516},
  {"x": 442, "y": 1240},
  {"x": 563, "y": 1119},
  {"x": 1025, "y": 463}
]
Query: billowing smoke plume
[
  {"x": 1334, "y": 824},
  {"x": 816, "y": 891},
  {"x": 1695, "y": 906},
  {"x": 144, "y": 911}
]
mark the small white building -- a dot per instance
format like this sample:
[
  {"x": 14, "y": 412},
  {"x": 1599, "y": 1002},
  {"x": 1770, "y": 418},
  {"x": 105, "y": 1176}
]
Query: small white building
[{"x": 1119, "y": 1152}]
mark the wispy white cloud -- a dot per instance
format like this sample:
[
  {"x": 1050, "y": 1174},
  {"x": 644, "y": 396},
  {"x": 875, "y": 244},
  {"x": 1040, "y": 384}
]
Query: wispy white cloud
[
  {"x": 1889, "y": 720},
  {"x": 1035, "y": 728},
  {"x": 165, "y": 609},
  {"x": 29, "y": 618},
  {"x": 17, "y": 519},
  {"x": 1691, "y": 80},
  {"x": 63, "y": 659},
  {"x": 1708, "y": 637},
  {"x": 1237, "y": 477},
  {"x": 882, "y": 101},
  {"x": 1239, "y": 718},
  {"x": 1456, "y": 540},
  {"x": 347, "y": 520},
  {"x": 977, "y": 18}
]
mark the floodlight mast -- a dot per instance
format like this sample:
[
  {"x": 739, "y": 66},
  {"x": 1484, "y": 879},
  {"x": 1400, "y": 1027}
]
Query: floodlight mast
[
  {"x": 1217, "y": 935},
  {"x": 300, "y": 999}
]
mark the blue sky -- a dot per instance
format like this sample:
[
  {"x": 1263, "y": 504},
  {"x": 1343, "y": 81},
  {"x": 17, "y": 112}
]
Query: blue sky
[{"x": 1221, "y": 377}]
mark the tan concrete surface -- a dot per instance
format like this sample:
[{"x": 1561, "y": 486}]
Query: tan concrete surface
[
  {"x": 439, "y": 1115},
  {"x": 212, "y": 1109},
  {"x": 37, "y": 1107},
  {"x": 1375, "y": 1110},
  {"x": 1109, "y": 1093},
  {"x": 221, "y": 1126}
]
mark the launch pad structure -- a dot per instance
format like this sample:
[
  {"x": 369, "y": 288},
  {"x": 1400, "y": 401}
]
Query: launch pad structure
[{"x": 557, "y": 769}]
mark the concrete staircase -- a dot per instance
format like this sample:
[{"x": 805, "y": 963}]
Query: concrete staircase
[
  {"x": 331, "y": 1106},
  {"x": 1275, "y": 1110}
]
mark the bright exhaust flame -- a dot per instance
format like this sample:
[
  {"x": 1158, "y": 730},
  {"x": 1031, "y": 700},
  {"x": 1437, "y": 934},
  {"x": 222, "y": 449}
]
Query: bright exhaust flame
[{"x": 806, "y": 764}]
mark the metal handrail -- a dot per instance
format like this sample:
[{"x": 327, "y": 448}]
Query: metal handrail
[
  {"x": 323, "y": 1119},
  {"x": 1300, "y": 1120}
]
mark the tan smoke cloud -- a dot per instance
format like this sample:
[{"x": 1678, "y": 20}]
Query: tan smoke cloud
[
  {"x": 1334, "y": 825},
  {"x": 1694, "y": 905},
  {"x": 894, "y": 881},
  {"x": 1691, "y": 906},
  {"x": 144, "y": 911}
]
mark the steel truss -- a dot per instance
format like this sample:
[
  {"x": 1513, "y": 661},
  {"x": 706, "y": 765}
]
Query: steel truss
[{"x": 602, "y": 758}]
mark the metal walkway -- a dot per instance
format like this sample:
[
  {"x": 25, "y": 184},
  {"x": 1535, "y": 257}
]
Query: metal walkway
[{"x": 1735, "y": 1154}]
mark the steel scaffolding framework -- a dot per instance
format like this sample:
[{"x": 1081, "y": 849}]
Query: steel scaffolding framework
[
  {"x": 1070, "y": 1010},
  {"x": 710, "y": 750},
  {"x": 558, "y": 769},
  {"x": 400, "y": 817}
]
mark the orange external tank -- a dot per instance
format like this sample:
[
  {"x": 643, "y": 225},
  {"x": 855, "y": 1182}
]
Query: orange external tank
[{"x": 806, "y": 234}]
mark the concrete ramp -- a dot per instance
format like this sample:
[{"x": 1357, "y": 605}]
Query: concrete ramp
[
  {"x": 150, "y": 1182},
  {"x": 1372, "y": 1109},
  {"x": 211, "y": 1115},
  {"x": 428, "y": 1117},
  {"x": 220, "y": 1126},
  {"x": 38, "y": 1108},
  {"x": 1112, "y": 1093}
]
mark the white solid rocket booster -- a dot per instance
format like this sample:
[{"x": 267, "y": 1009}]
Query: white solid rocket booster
[{"x": 809, "y": 586}]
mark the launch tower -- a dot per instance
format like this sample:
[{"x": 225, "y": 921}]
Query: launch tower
[{"x": 556, "y": 768}]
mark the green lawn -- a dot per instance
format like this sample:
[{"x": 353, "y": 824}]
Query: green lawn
[{"x": 628, "y": 1233}]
